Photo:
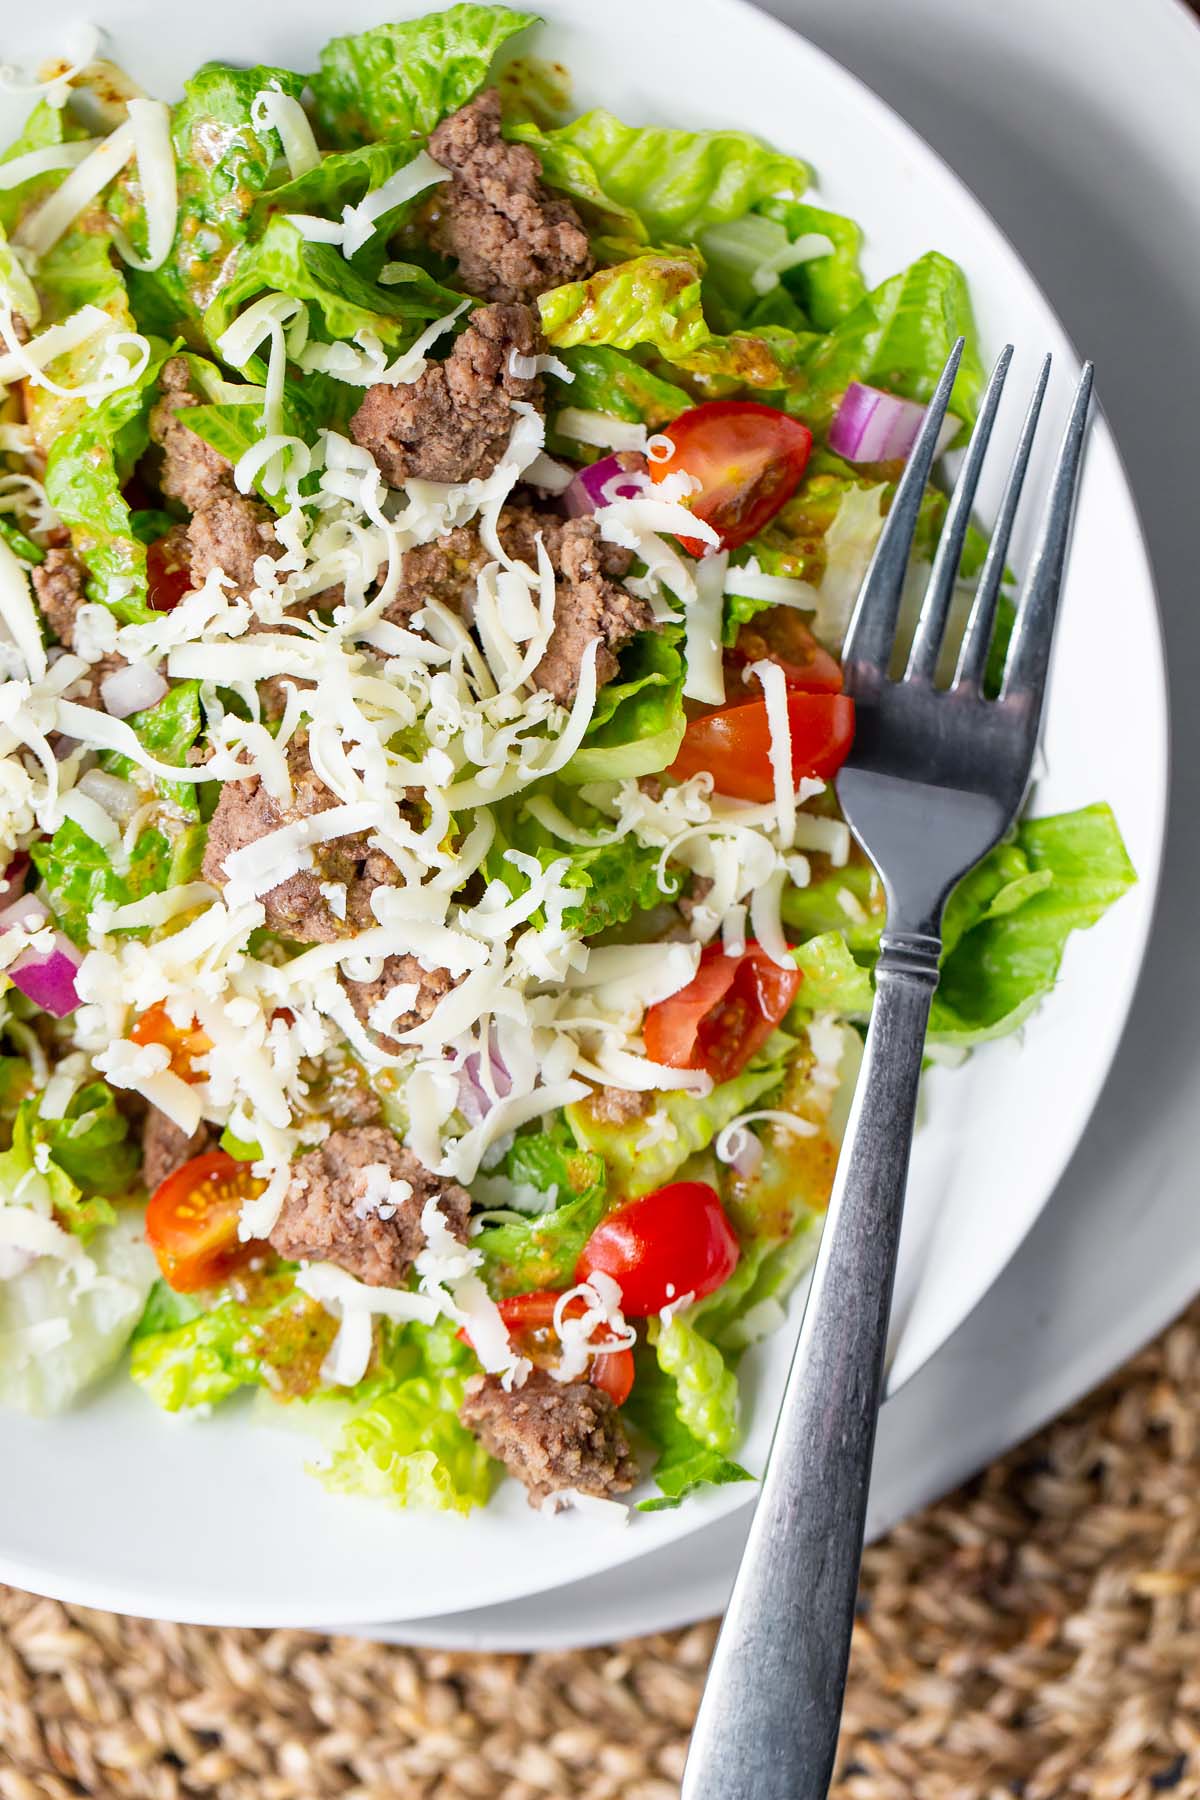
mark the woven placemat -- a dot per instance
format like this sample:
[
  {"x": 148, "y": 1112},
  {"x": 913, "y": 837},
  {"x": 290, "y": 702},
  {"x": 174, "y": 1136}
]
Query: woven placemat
[{"x": 1036, "y": 1634}]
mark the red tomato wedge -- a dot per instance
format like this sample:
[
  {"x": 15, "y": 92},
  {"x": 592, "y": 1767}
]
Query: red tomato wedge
[
  {"x": 192, "y": 1221},
  {"x": 168, "y": 572},
  {"x": 183, "y": 1043},
  {"x": 669, "y": 1244},
  {"x": 529, "y": 1321},
  {"x": 748, "y": 459},
  {"x": 780, "y": 635},
  {"x": 726, "y": 1012},
  {"x": 733, "y": 744}
]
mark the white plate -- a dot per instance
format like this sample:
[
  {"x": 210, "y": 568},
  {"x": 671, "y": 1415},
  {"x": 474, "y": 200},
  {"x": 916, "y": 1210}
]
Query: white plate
[
  {"x": 1116, "y": 1254},
  {"x": 265, "y": 1546}
]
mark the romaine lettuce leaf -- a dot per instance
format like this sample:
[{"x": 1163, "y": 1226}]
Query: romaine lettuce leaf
[
  {"x": 522, "y": 1254},
  {"x": 224, "y": 162},
  {"x": 403, "y": 1442},
  {"x": 678, "y": 182},
  {"x": 638, "y": 722},
  {"x": 346, "y": 300},
  {"x": 680, "y": 1124},
  {"x": 78, "y": 872},
  {"x": 1005, "y": 928},
  {"x": 29, "y": 1159},
  {"x": 898, "y": 337},
  {"x": 613, "y": 880},
  {"x": 1008, "y": 959},
  {"x": 45, "y": 1364},
  {"x": 184, "y": 1355},
  {"x": 86, "y": 472},
  {"x": 46, "y": 126},
  {"x": 397, "y": 80},
  {"x": 608, "y": 381},
  {"x": 17, "y": 291},
  {"x": 79, "y": 271},
  {"x": 707, "y": 1389},
  {"x": 655, "y": 300},
  {"x": 685, "y": 1463},
  {"x": 566, "y": 167},
  {"x": 828, "y": 288}
]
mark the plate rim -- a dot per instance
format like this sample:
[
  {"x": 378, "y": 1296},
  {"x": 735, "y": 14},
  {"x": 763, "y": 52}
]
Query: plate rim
[{"x": 96, "y": 1591}]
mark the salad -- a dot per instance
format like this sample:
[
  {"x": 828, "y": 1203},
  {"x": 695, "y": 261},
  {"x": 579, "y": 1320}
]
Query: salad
[{"x": 434, "y": 963}]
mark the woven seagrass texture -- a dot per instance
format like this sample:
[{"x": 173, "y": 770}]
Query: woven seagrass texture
[{"x": 1036, "y": 1634}]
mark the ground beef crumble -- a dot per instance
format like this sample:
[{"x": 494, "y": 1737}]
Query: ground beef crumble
[
  {"x": 551, "y": 1435},
  {"x": 325, "y": 1216},
  {"x": 432, "y": 985},
  {"x": 165, "y": 1148},
  {"x": 510, "y": 236},
  {"x": 453, "y": 422},
  {"x": 60, "y": 585},
  {"x": 297, "y": 908},
  {"x": 228, "y": 530}
]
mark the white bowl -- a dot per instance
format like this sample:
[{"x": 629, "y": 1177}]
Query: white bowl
[{"x": 116, "y": 1505}]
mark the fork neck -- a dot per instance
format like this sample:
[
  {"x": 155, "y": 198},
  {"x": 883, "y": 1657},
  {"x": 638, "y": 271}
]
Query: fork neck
[{"x": 916, "y": 954}]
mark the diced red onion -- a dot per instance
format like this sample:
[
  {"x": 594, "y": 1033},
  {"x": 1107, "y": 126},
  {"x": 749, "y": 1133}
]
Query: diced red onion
[
  {"x": 474, "y": 1100},
  {"x": 132, "y": 689},
  {"x": 872, "y": 426},
  {"x": 745, "y": 1152},
  {"x": 64, "y": 747},
  {"x": 48, "y": 980},
  {"x": 591, "y": 488}
]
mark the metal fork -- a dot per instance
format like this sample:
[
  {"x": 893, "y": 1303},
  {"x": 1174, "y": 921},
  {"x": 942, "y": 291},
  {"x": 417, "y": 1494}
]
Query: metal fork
[{"x": 935, "y": 779}]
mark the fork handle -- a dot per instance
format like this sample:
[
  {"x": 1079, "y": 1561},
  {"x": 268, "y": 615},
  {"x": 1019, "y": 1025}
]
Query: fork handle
[{"x": 768, "y": 1722}]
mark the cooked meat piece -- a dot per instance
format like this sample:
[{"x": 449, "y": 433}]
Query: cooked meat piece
[
  {"x": 399, "y": 971},
  {"x": 192, "y": 471},
  {"x": 618, "y": 1106},
  {"x": 453, "y": 422},
  {"x": 59, "y": 584},
  {"x": 297, "y": 908},
  {"x": 511, "y": 237},
  {"x": 230, "y": 532},
  {"x": 333, "y": 1212},
  {"x": 589, "y": 606},
  {"x": 699, "y": 888},
  {"x": 446, "y": 570},
  {"x": 165, "y": 1148},
  {"x": 551, "y": 1434}
]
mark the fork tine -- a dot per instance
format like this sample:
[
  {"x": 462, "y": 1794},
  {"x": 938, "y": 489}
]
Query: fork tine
[
  {"x": 973, "y": 656},
  {"x": 873, "y": 627},
  {"x": 935, "y": 607},
  {"x": 1033, "y": 632}
]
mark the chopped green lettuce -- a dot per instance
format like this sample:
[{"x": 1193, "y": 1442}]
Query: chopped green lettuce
[
  {"x": 706, "y": 1387},
  {"x": 59, "y": 1335},
  {"x": 397, "y": 80},
  {"x": 679, "y": 1124},
  {"x": 1005, "y": 928},
  {"x": 638, "y": 722},
  {"x": 46, "y": 126},
  {"x": 830, "y": 287},
  {"x": 613, "y": 879},
  {"x": 678, "y": 183},
  {"x": 525, "y": 1253},
  {"x": 403, "y": 1442},
  {"x": 84, "y": 1157},
  {"x": 897, "y": 337},
  {"x": 79, "y": 271},
  {"x": 186, "y": 1354},
  {"x": 567, "y": 168},
  {"x": 685, "y": 1462},
  {"x": 86, "y": 472},
  {"x": 224, "y": 162},
  {"x": 608, "y": 381}
]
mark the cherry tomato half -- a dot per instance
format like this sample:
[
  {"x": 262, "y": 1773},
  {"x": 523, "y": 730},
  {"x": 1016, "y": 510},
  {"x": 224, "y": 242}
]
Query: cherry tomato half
[
  {"x": 725, "y": 1013},
  {"x": 168, "y": 570},
  {"x": 182, "y": 1042},
  {"x": 733, "y": 744},
  {"x": 779, "y": 635},
  {"x": 673, "y": 1242},
  {"x": 529, "y": 1321},
  {"x": 192, "y": 1221},
  {"x": 748, "y": 459}
]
